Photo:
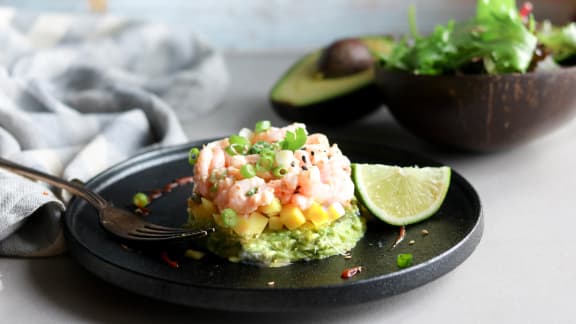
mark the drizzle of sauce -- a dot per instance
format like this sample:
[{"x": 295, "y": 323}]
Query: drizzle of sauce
[{"x": 155, "y": 194}]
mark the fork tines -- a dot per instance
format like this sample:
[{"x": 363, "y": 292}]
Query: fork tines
[{"x": 158, "y": 232}]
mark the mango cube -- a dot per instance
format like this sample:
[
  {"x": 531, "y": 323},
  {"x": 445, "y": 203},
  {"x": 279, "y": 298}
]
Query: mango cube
[
  {"x": 308, "y": 225},
  {"x": 335, "y": 211},
  {"x": 275, "y": 223},
  {"x": 253, "y": 224},
  {"x": 218, "y": 220},
  {"x": 272, "y": 209},
  {"x": 317, "y": 215},
  {"x": 203, "y": 210},
  {"x": 292, "y": 217}
]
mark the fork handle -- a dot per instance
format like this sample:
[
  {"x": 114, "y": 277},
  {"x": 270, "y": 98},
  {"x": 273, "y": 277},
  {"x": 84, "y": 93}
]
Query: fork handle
[{"x": 92, "y": 197}]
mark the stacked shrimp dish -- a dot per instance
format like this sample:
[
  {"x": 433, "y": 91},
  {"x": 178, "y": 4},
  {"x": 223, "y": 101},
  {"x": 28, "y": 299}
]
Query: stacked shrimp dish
[{"x": 275, "y": 196}]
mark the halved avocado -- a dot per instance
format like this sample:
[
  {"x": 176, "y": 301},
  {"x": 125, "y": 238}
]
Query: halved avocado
[{"x": 303, "y": 94}]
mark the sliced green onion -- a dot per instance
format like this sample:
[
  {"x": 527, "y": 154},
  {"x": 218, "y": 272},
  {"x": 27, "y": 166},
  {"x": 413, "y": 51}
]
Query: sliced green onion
[
  {"x": 252, "y": 192},
  {"x": 279, "y": 172},
  {"x": 294, "y": 140},
  {"x": 237, "y": 139},
  {"x": 267, "y": 153},
  {"x": 245, "y": 132},
  {"x": 193, "y": 155},
  {"x": 238, "y": 145},
  {"x": 260, "y": 146},
  {"x": 247, "y": 171},
  {"x": 284, "y": 158},
  {"x": 265, "y": 163},
  {"x": 262, "y": 126},
  {"x": 237, "y": 149},
  {"x": 404, "y": 260},
  {"x": 229, "y": 217},
  {"x": 140, "y": 200}
]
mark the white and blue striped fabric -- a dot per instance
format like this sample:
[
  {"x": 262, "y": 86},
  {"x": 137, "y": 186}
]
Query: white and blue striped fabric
[{"x": 81, "y": 93}]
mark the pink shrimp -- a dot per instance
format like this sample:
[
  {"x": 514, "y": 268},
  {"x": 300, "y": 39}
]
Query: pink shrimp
[
  {"x": 318, "y": 138},
  {"x": 285, "y": 187},
  {"x": 275, "y": 134},
  {"x": 246, "y": 195},
  {"x": 211, "y": 158},
  {"x": 317, "y": 172}
]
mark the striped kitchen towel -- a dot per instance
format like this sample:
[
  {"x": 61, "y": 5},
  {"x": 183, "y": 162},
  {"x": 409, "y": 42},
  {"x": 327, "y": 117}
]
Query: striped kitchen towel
[{"x": 80, "y": 93}]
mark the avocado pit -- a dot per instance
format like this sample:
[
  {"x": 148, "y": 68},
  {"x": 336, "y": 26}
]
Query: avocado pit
[{"x": 345, "y": 57}]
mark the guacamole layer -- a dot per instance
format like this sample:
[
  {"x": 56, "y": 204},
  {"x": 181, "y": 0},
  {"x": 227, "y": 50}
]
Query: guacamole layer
[{"x": 279, "y": 248}]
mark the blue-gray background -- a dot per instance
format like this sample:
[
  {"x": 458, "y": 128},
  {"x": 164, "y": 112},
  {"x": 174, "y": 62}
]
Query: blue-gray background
[{"x": 264, "y": 25}]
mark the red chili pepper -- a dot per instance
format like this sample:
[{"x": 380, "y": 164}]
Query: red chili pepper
[
  {"x": 400, "y": 237},
  {"x": 351, "y": 272},
  {"x": 169, "y": 261},
  {"x": 526, "y": 9}
]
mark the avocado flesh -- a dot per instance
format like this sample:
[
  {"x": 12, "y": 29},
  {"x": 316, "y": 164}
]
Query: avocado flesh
[
  {"x": 303, "y": 85},
  {"x": 301, "y": 94}
]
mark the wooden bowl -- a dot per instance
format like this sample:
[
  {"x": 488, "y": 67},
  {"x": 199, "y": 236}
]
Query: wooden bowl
[{"x": 480, "y": 112}]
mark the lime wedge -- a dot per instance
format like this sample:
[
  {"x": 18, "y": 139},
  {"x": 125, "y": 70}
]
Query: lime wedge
[{"x": 401, "y": 195}]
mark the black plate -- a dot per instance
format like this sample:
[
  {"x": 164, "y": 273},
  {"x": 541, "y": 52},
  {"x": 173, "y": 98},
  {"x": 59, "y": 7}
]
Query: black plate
[{"x": 454, "y": 232}]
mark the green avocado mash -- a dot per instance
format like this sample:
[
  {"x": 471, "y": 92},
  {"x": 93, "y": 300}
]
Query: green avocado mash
[{"x": 279, "y": 248}]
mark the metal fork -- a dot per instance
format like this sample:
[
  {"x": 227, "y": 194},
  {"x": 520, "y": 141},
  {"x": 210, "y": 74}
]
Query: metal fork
[{"x": 121, "y": 223}]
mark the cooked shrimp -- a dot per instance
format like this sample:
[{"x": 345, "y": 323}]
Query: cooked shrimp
[
  {"x": 246, "y": 195},
  {"x": 317, "y": 172},
  {"x": 275, "y": 134}
]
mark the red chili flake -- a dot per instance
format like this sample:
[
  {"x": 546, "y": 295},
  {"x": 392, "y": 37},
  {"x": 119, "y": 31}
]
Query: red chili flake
[
  {"x": 400, "y": 237},
  {"x": 169, "y": 261},
  {"x": 351, "y": 272}
]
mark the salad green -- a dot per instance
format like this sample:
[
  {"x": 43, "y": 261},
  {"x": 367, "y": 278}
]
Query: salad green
[
  {"x": 560, "y": 40},
  {"x": 498, "y": 39}
]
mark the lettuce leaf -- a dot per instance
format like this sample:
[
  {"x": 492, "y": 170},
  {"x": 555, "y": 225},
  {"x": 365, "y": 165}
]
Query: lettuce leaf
[
  {"x": 496, "y": 36},
  {"x": 560, "y": 40}
]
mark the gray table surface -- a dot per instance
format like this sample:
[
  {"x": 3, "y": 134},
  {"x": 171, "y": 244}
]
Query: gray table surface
[{"x": 522, "y": 271}]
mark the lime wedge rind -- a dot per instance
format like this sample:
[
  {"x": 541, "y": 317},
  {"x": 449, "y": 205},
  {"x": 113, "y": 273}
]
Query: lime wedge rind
[{"x": 401, "y": 195}]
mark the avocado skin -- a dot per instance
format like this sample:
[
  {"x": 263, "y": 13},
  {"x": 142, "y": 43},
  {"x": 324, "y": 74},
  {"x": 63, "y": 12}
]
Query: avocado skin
[{"x": 341, "y": 109}]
